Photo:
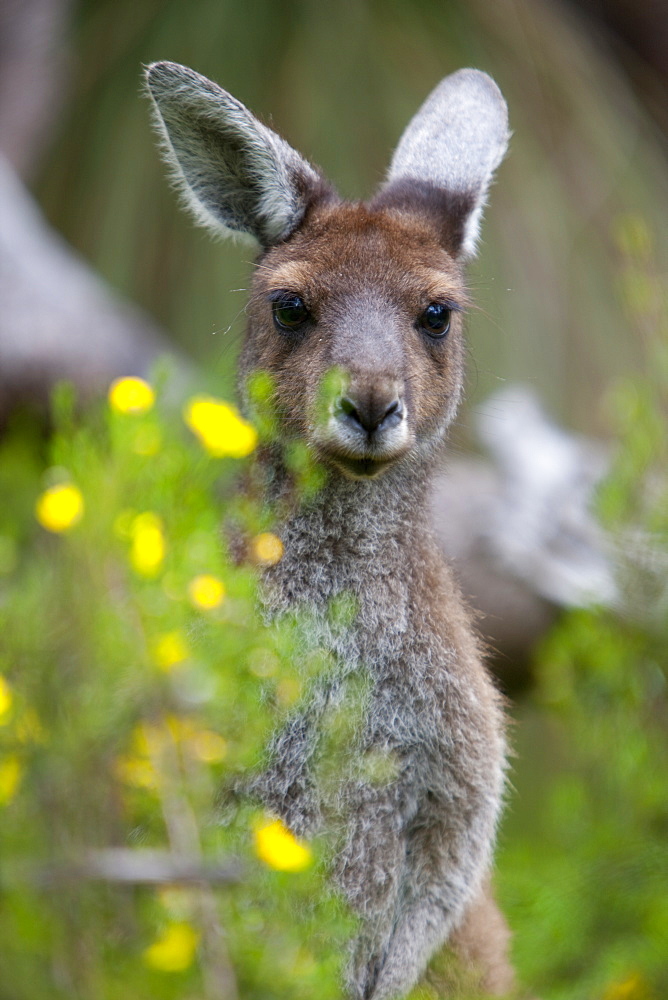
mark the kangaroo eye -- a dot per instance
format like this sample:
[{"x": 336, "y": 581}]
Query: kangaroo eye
[
  {"x": 435, "y": 320},
  {"x": 289, "y": 312}
]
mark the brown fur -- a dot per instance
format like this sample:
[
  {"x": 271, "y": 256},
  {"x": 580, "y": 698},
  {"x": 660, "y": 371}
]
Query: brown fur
[
  {"x": 340, "y": 253},
  {"x": 482, "y": 942}
]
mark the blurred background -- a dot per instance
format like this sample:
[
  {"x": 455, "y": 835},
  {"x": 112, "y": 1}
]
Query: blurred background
[
  {"x": 100, "y": 273},
  {"x": 586, "y": 86}
]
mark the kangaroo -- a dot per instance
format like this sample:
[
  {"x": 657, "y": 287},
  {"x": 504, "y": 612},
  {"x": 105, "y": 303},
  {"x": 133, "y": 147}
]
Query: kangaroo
[{"x": 374, "y": 292}]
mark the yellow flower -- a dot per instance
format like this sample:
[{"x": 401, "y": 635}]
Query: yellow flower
[
  {"x": 288, "y": 691},
  {"x": 6, "y": 700},
  {"x": 153, "y": 746},
  {"x": 267, "y": 549},
  {"x": 633, "y": 988},
  {"x": 170, "y": 649},
  {"x": 208, "y": 746},
  {"x": 206, "y": 591},
  {"x": 203, "y": 744},
  {"x": 60, "y": 507},
  {"x": 263, "y": 662},
  {"x": 131, "y": 395},
  {"x": 219, "y": 427},
  {"x": 10, "y": 778},
  {"x": 141, "y": 766},
  {"x": 174, "y": 950},
  {"x": 147, "y": 550},
  {"x": 276, "y": 846},
  {"x": 179, "y": 901},
  {"x": 148, "y": 739},
  {"x": 137, "y": 771}
]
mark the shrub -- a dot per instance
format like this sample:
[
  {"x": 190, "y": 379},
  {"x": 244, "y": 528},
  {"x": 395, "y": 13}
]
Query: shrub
[{"x": 136, "y": 688}]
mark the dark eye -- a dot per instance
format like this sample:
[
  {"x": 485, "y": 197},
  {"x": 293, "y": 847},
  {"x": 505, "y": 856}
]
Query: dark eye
[
  {"x": 435, "y": 320},
  {"x": 289, "y": 312}
]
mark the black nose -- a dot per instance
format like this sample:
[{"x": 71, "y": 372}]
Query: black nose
[{"x": 371, "y": 413}]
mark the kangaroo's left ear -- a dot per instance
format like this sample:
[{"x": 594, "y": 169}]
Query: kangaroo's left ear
[
  {"x": 445, "y": 160},
  {"x": 235, "y": 173}
]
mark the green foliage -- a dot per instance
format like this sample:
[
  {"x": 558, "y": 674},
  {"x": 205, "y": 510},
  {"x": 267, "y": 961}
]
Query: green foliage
[
  {"x": 137, "y": 688},
  {"x": 133, "y": 698},
  {"x": 592, "y": 918}
]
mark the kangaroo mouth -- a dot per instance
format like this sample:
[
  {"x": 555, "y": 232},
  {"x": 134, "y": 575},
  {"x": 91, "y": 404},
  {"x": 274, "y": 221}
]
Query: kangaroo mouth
[
  {"x": 360, "y": 459},
  {"x": 362, "y": 468}
]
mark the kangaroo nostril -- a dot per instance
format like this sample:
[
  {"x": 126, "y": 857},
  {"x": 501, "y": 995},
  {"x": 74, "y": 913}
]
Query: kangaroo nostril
[
  {"x": 395, "y": 408},
  {"x": 347, "y": 407},
  {"x": 393, "y": 415},
  {"x": 371, "y": 414}
]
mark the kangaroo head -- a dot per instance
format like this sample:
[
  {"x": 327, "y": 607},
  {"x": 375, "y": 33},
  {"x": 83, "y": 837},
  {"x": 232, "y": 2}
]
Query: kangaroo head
[{"x": 373, "y": 292}]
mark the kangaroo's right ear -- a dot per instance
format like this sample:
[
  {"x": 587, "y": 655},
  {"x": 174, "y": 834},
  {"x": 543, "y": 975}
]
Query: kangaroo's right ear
[
  {"x": 236, "y": 174},
  {"x": 446, "y": 158}
]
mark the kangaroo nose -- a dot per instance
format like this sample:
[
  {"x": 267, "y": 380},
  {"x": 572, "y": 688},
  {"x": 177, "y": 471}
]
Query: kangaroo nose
[{"x": 370, "y": 412}]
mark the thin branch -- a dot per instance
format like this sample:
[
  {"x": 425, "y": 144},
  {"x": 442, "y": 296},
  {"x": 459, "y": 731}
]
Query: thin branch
[{"x": 139, "y": 867}]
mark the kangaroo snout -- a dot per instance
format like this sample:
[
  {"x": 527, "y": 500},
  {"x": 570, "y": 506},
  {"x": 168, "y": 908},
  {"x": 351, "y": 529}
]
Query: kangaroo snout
[
  {"x": 366, "y": 429},
  {"x": 369, "y": 412}
]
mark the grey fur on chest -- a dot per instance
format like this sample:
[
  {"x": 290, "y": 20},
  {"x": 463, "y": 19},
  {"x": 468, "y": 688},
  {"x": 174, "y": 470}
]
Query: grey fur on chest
[{"x": 419, "y": 706}]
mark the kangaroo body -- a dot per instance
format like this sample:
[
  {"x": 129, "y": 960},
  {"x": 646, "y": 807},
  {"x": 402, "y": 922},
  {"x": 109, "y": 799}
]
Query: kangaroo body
[{"x": 375, "y": 293}]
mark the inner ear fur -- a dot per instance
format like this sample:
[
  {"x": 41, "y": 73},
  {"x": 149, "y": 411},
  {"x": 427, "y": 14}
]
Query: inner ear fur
[
  {"x": 446, "y": 211},
  {"x": 235, "y": 174},
  {"x": 445, "y": 160}
]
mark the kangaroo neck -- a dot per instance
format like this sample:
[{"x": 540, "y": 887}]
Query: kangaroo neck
[
  {"x": 358, "y": 510},
  {"x": 350, "y": 530}
]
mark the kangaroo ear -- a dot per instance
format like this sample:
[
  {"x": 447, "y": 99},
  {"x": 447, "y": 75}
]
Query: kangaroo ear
[
  {"x": 447, "y": 156},
  {"x": 235, "y": 173}
]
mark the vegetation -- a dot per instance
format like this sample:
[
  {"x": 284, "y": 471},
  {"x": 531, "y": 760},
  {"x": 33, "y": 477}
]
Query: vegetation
[
  {"x": 593, "y": 911},
  {"x": 137, "y": 687}
]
